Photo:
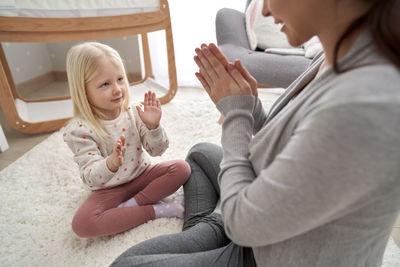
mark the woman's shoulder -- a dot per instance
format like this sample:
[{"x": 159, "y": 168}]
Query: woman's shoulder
[
  {"x": 365, "y": 68},
  {"x": 380, "y": 79},
  {"x": 357, "y": 89}
]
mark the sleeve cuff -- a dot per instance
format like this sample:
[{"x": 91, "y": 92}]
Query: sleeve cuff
[
  {"x": 108, "y": 173},
  {"x": 157, "y": 132},
  {"x": 235, "y": 102}
]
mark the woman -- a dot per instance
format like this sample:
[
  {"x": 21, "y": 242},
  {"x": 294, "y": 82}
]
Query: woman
[{"x": 314, "y": 182}]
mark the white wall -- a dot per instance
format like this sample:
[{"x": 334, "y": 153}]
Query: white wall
[{"x": 193, "y": 23}]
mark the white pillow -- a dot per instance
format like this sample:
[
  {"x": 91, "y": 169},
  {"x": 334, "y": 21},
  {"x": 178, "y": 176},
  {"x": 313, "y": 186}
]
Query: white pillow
[
  {"x": 262, "y": 32},
  {"x": 309, "y": 49}
]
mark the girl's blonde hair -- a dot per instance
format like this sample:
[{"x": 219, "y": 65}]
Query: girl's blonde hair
[{"x": 82, "y": 64}]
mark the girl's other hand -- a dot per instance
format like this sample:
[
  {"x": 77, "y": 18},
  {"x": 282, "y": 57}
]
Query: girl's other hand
[{"x": 117, "y": 156}]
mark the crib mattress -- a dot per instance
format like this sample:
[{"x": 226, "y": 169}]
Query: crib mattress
[{"x": 75, "y": 8}]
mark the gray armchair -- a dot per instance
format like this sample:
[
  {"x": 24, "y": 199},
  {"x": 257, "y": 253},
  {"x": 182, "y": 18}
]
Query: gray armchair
[{"x": 270, "y": 70}]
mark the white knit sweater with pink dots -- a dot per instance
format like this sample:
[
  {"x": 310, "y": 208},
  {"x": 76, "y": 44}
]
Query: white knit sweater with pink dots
[{"x": 90, "y": 152}]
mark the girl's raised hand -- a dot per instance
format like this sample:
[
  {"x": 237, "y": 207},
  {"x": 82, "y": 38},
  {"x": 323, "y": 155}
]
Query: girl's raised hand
[
  {"x": 151, "y": 115},
  {"x": 117, "y": 156}
]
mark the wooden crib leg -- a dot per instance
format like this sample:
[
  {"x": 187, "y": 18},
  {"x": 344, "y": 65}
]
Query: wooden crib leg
[
  {"x": 146, "y": 57},
  {"x": 173, "y": 83}
]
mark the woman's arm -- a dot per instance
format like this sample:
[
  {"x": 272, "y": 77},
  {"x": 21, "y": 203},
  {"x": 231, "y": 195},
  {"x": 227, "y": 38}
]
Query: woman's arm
[
  {"x": 327, "y": 170},
  {"x": 315, "y": 179}
]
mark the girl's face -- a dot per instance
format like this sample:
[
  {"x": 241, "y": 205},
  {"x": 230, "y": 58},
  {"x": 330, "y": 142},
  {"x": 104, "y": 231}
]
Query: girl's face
[
  {"x": 107, "y": 89},
  {"x": 300, "y": 19}
]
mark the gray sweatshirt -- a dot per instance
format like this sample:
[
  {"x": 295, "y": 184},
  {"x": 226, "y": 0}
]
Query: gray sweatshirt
[{"x": 316, "y": 182}]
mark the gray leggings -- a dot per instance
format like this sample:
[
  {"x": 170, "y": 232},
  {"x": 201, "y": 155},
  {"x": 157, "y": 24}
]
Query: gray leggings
[{"x": 203, "y": 241}]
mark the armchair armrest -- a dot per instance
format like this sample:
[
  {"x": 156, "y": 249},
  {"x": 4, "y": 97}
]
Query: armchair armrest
[{"x": 231, "y": 28}]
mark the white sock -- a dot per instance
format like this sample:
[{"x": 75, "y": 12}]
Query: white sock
[
  {"x": 168, "y": 210},
  {"x": 129, "y": 203}
]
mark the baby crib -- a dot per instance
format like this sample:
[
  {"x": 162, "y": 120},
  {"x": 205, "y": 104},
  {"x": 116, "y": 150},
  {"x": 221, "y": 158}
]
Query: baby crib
[{"x": 20, "y": 24}]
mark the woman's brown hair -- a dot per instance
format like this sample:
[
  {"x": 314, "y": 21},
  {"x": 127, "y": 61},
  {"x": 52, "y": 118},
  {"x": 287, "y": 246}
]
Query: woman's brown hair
[{"x": 383, "y": 22}]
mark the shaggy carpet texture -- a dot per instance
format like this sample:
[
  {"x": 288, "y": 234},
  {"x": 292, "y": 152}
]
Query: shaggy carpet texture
[{"x": 41, "y": 191}]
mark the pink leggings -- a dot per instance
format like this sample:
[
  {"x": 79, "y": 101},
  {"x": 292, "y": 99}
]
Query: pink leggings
[{"x": 99, "y": 215}]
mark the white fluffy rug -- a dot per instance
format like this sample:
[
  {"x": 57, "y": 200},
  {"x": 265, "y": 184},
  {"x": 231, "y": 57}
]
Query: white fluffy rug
[{"x": 40, "y": 192}]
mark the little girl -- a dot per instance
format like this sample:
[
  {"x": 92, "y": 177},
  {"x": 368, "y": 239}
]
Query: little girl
[{"x": 107, "y": 137}]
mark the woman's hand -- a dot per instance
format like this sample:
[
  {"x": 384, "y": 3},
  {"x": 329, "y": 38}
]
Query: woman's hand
[
  {"x": 117, "y": 156},
  {"x": 151, "y": 115},
  {"x": 220, "y": 78}
]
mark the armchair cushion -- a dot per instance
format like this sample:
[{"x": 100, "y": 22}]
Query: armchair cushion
[{"x": 271, "y": 70}]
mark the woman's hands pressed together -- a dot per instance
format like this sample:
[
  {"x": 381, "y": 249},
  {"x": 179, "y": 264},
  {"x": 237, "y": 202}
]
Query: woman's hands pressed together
[
  {"x": 151, "y": 115},
  {"x": 221, "y": 78}
]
